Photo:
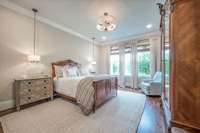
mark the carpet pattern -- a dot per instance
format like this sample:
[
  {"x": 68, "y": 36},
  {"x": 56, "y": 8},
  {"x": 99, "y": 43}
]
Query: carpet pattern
[{"x": 122, "y": 114}]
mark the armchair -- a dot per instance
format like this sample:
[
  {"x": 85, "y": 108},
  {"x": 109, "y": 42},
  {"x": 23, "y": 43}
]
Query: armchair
[{"x": 152, "y": 87}]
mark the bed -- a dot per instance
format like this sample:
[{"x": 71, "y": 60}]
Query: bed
[{"x": 96, "y": 90}]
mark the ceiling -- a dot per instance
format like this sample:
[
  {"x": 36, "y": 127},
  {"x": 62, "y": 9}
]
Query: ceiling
[{"x": 81, "y": 15}]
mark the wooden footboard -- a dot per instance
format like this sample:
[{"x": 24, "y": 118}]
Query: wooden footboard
[{"x": 105, "y": 89}]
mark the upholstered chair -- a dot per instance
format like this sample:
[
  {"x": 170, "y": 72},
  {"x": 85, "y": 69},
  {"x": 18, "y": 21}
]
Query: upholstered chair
[{"x": 152, "y": 87}]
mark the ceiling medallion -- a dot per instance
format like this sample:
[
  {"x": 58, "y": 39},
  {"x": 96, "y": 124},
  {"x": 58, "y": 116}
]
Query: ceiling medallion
[{"x": 106, "y": 22}]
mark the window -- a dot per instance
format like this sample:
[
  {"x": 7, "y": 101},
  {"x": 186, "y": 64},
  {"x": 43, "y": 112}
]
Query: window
[
  {"x": 167, "y": 67},
  {"x": 167, "y": 64},
  {"x": 114, "y": 61},
  {"x": 127, "y": 61},
  {"x": 143, "y": 60}
]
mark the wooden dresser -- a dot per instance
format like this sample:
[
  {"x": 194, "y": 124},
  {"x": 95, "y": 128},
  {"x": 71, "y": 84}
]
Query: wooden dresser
[{"x": 32, "y": 90}]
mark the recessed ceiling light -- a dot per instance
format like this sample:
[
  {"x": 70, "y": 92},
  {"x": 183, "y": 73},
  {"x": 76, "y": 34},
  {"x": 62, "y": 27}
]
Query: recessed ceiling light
[
  {"x": 104, "y": 38},
  {"x": 149, "y": 26}
]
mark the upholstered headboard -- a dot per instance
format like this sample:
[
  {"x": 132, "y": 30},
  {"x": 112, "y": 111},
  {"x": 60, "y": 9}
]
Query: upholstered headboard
[{"x": 63, "y": 63}]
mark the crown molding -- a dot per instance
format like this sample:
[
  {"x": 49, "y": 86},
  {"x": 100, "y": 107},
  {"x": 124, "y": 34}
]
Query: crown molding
[
  {"x": 25, "y": 12},
  {"x": 139, "y": 36}
]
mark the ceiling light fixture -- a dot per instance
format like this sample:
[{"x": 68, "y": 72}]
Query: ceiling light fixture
[
  {"x": 106, "y": 23},
  {"x": 149, "y": 26},
  {"x": 34, "y": 58}
]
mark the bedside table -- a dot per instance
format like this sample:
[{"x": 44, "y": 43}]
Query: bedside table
[{"x": 32, "y": 90}]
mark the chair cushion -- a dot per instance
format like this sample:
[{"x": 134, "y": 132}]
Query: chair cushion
[{"x": 144, "y": 85}]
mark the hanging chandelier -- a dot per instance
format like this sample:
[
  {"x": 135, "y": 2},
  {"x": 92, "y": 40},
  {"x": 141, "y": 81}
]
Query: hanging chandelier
[
  {"x": 34, "y": 58},
  {"x": 106, "y": 23}
]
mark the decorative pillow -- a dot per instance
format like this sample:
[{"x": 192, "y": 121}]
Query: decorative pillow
[
  {"x": 72, "y": 71},
  {"x": 84, "y": 71}
]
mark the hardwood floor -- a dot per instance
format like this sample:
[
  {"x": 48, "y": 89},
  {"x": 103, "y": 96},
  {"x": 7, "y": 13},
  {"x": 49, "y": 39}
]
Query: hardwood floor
[
  {"x": 1, "y": 129},
  {"x": 152, "y": 120}
]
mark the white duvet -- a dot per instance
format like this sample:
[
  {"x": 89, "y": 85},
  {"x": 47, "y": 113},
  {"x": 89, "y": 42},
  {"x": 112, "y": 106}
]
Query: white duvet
[{"x": 67, "y": 86}]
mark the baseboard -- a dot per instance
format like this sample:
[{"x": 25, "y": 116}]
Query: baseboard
[{"x": 6, "y": 105}]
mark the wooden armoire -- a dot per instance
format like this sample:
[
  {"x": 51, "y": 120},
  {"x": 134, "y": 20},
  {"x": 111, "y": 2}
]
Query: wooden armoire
[{"x": 181, "y": 86}]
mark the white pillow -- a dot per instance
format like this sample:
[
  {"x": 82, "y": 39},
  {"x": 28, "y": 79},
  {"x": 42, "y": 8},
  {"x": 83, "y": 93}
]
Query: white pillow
[
  {"x": 72, "y": 72},
  {"x": 84, "y": 72},
  {"x": 59, "y": 71}
]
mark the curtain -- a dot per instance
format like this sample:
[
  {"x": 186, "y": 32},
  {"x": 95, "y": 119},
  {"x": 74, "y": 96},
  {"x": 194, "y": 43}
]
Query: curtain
[
  {"x": 155, "y": 48},
  {"x": 134, "y": 65},
  {"x": 121, "y": 59}
]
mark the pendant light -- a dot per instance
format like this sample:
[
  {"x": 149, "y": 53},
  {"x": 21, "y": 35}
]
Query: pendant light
[
  {"x": 34, "y": 58},
  {"x": 93, "y": 62}
]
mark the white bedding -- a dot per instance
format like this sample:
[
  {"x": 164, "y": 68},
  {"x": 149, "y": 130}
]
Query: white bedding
[{"x": 68, "y": 86}]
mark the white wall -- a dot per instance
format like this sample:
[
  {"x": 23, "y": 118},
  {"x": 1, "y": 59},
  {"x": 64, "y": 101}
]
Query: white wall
[{"x": 16, "y": 42}]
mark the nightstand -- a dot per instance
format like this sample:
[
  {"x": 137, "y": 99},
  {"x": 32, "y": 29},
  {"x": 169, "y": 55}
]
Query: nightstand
[{"x": 32, "y": 90}]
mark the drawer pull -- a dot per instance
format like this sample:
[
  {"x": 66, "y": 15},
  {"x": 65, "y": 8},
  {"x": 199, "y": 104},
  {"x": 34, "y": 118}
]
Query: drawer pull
[
  {"x": 29, "y": 90},
  {"x": 45, "y": 81},
  {"x": 29, "y": 98},
  {"x": 45, "y": 87},
  {"x": 29, "y": 83},
  {"x": 45, "y": 94}
]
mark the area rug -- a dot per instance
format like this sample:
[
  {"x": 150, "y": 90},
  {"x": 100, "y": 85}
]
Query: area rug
[{"x": 122, "y": 114}]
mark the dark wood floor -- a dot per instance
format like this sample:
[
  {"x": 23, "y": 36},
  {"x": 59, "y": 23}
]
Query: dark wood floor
[
  {"x": 1, "y": 130},
  {"x": 152, "y": 120}
]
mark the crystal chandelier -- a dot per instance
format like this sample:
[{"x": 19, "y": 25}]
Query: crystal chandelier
[
  {"x": 34, "y": 58},
  {"x": 106, "y": 23}
]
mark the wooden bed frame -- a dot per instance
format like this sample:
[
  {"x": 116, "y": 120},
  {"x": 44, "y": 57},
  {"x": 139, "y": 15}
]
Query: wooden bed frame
[{"x": 105, "y": 88}]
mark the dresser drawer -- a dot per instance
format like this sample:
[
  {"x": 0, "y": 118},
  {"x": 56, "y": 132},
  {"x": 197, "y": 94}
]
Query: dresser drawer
[
  {"x": 25, "y": 91},
  {"x": 42, "y": 82},
  {"x": 36, "y": 89},
  {"x": 33, "y": 83},
  {"x": 25, "y": 99},
  {"x": 27, "y": 84},
  {"x": 29, "y": 98}
]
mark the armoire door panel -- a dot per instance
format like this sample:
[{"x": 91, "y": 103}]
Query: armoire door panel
[{"x": 185, "y": 38}]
